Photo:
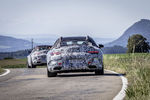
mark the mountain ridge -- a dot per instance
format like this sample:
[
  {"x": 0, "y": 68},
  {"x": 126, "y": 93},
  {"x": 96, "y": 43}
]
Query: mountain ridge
[
  {"x": 9, "y": 44},
  {"x": 141, "y": 27}
]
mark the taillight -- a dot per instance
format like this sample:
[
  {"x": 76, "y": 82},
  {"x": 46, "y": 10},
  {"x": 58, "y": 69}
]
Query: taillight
[
  {"x": 55, "y": 53},
  {"x": 59, "y": 63},
  {"x": 93, "y": 52},
  {"x": 89, "y": 62}
]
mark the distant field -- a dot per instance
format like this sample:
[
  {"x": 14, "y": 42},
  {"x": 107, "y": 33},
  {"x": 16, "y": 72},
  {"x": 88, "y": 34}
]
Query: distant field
[
  {"x": 136, "y": 67},
  {"x": 13, "y": 63}
]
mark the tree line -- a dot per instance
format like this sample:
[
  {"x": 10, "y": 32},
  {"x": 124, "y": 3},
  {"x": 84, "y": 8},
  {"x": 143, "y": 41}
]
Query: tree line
[{"x": 136, "y": 44}]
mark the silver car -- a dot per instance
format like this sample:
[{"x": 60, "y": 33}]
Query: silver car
[
  {"x": 38, "y": 56},
  {"x": 75, "y": 54}
]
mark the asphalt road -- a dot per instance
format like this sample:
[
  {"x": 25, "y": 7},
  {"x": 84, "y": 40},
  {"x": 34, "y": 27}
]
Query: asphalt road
[{"x": 33, "y": 84}]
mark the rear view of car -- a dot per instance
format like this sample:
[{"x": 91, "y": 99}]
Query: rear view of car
[
  {"x": 75, "y": 54},
  {"x": 37, "y": 56}
]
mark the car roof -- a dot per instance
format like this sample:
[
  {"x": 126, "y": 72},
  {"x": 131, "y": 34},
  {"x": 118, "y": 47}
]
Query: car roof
[
  {"x": 44, "y": 46},
  {"x": 80, "y": 38}
]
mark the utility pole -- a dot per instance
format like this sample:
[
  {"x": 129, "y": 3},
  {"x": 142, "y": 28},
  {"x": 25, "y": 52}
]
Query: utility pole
[{"x": 32, "y": 43}]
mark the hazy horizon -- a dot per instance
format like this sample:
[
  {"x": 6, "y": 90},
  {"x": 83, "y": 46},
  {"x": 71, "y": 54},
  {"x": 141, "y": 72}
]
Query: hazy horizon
[{"x": 38, "y": 19}]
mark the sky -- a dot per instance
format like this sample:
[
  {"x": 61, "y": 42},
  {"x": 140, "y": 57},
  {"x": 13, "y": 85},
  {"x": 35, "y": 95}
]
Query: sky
[{"x": 54, "y": 18}]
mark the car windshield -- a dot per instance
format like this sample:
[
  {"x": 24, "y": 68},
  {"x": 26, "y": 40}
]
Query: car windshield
[
  {"x": 41, "y": 48},
  {"x": 73, "y": 42}
]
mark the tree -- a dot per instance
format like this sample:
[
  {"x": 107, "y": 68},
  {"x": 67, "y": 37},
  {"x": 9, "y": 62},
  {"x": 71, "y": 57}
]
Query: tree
[{"x": 138, "y": 44}]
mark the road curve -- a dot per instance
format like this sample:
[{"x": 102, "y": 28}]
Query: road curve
[{"x": 33, "y": 84}]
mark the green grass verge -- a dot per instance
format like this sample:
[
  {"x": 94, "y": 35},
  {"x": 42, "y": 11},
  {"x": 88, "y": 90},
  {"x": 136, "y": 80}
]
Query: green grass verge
[
  {"x": 14, "y": 63},
  {"x": 1, "y": 71},
  {"x": 15, "y": 66},
  {"x": 137, "y": 70}
]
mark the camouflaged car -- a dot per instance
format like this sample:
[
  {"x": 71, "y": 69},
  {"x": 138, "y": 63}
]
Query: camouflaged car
[
  {"x": 38, "y": 56},
  {"x": 75, "y": 54}
]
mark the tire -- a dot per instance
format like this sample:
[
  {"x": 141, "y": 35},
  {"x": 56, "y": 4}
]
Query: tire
[
  {"x": 100, "y": 72},
  {"x": 28, "y": 65},
  {"x": 33, "y": 66},
  {"x": 51, "y": 74}
]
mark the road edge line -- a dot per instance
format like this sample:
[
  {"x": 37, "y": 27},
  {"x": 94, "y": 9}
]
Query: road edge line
[
  {"x": 121, "y": 94},
  {"x": 7, "y": 72}
]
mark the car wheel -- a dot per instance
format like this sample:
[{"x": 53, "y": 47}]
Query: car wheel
[
  {"x": 51, "y": 74},
  {"x": 100, "y": 72},
  {"x": 28, "y": 65},
  {"x": 33, "y": 66}
]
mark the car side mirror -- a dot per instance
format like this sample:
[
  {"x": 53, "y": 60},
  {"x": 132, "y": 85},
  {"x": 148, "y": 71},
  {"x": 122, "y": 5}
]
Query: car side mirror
[{"x": 100, "y": 46}]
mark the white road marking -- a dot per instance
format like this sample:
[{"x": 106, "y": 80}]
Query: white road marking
[
  {"x": 7, "y": 71},
  {"x": 121, "y": 94}
]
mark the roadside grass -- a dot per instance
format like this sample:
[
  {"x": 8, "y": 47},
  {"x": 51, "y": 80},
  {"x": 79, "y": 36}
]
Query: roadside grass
[
  {"x": 1, "y": 71},
  {"x": 14, "y": 63},
  {"x": 136, "y": 67}
]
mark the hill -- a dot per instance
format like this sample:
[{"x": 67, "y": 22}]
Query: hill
[
  {"x": 141, "y": 27},
  {"x": 9, "y": 44}
]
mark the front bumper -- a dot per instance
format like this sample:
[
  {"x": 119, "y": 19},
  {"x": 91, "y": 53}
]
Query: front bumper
[
  {"x": 39, "y": 61},
  {"x": 76, "y": 70}
]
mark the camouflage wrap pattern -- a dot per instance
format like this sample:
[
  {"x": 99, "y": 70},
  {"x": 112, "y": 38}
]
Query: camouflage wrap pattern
[
  {"x": 37, "y": 57},
  {"x": 74, "y": 57}
]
